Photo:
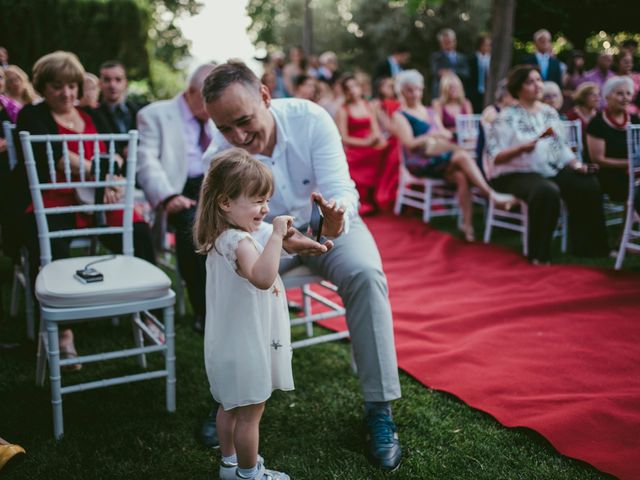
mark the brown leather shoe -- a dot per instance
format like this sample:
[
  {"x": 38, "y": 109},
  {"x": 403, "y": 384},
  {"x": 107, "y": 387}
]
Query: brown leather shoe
[{"x": 10, "y": 456}]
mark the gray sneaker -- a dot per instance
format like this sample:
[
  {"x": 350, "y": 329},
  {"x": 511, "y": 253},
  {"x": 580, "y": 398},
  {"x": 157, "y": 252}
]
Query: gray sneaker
[
  {"x": 264, "y": 474},
  {"x": 228, "y": 470}
]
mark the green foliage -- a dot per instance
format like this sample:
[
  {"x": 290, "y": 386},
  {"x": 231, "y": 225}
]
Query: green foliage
[
  {"x": 362, "y": 32},
  {"x": 93, "y": 29},
  {"x": 610, "y": 42},
  {"x": 167, "y": 43},
  {"x": 577, "y": 19}
]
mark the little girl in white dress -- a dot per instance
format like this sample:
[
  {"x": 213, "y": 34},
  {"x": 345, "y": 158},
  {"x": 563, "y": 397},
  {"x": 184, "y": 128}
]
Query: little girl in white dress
[{"x": 247, "y": 335}]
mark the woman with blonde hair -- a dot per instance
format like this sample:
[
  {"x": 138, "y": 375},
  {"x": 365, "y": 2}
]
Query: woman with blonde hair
[
  {"x": 585, "y": 99},
  {"x": 16, "y": 92},
  {"x": 451, "y": 102},
  {"x": 90, "y": 92},
  {"x": 18, "y": 87}
]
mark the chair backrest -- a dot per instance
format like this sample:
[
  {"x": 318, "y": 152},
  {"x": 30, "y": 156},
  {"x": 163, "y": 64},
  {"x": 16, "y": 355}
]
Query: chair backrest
[
  {"x": 573, "y": 136},
  {"x": 8, "y": 129},
  {"x": 467, "y": 131},
  {"x": 66, "y": 172},
  {"x": 633, "y": 153}
]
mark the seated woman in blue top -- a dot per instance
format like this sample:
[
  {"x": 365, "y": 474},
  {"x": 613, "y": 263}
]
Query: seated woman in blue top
[{"x": 430, "y": 152}]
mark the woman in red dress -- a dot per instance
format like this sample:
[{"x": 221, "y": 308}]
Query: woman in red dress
[{"x": 364, "y": 144}]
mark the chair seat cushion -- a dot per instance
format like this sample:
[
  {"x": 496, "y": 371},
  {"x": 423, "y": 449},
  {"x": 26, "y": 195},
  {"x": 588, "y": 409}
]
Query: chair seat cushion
[{"x": 126, "y": 279}]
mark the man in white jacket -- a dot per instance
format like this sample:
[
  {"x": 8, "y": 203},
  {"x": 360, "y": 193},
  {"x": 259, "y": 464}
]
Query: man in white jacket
[{"x": 173, "y": 136}]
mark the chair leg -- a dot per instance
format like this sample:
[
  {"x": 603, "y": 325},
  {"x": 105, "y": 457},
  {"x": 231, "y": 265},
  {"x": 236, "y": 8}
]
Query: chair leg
[
  {"x": 170, "y": 358},
  {"x": 622, "y": 249},
  {"x": 54, "y": 377},
  {"x": 28, "y": 298},
  {"x": 180, "y": 303},
  {"x": 428, "y": 196},
  {"x": 564, "y": 229},
  {"x": 15, "y": 292},
  {"x": 30, "y": 314},
  {"x": 41, "y": 356},
  {"x": 397, "y": 208},
  {"x": 354, "y": 365},
  {"x": 525, "y": 230},
  {"x": 306, "y": 308},
  {"x": 488, "y": 222},
  {"x": 138, "y": 339}
]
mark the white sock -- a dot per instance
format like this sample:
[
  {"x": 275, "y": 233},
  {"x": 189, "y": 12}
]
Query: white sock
[
  {"x": 231, "y": 459},
  {"x": 248, "y": 472}
]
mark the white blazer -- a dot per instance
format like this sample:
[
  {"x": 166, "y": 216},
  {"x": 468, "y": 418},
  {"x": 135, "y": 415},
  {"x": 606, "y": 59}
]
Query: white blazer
[{"x": 162, "y": 154}]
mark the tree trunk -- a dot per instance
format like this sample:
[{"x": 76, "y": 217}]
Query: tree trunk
[
  {"x": 307, "y": 31},
  {"x": 503, "y": 12}
]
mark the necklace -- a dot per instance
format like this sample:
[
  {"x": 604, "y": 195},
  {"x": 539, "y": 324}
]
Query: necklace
[
  {"x": 615, "y": 123},
  {"x": 69, "y": 124}
]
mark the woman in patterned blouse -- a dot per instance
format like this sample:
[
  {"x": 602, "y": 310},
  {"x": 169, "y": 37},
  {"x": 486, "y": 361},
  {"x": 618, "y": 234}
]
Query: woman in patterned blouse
[{"x": 529, "y": 157}]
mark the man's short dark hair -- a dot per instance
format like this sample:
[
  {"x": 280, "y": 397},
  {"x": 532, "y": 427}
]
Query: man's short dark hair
[
  {"x": 225, "y": 75},
  {"x": 112, "y": 64},
  {"x": 481, "y": 39},
  {"x": 401, "y": 48},
  {"x": 517, "y": 76},
  {"x": 299, "y": 80}
]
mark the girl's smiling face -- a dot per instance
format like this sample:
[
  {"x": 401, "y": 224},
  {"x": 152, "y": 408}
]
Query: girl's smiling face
[{"x": 246, "y": 213}]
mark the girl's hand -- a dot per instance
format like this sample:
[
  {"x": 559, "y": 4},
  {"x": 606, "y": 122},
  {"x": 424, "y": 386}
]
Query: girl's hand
[{"x": 283, "y": 226}]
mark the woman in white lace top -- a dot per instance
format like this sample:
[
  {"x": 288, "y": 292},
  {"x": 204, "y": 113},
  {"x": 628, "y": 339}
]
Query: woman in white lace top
[{"x": 529, "y": 158}]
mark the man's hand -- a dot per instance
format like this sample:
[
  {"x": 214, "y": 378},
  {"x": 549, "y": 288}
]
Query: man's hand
[
  {"x": 303, "y": 245},
  {"x": 333, "y": 223},
  {"x": 179, "y": 203},
  {"x": 3, "y": 145}
]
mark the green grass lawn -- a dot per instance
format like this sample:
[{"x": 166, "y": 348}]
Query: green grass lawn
[{"x": 314, "y": 432}]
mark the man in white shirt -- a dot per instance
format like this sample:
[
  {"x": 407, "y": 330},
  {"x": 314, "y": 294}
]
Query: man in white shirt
[{"x": 301, "y": 145}]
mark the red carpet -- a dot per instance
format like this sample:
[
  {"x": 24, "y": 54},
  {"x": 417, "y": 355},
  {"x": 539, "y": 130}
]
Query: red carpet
[{"x": 555, "y": 349}]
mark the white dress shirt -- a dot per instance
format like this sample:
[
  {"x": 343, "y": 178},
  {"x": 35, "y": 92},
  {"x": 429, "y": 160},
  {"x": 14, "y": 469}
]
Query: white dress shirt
[{"x": 308, "y": 157}]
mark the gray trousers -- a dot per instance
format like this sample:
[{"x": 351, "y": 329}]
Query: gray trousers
[{"x": 354, "y": 266}]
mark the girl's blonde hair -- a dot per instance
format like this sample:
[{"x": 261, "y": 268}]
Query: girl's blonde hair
[
  {"x": 28, "y": 94},
  {"x": 232, "y": 173},
  {"x": 446, "y": 82}
]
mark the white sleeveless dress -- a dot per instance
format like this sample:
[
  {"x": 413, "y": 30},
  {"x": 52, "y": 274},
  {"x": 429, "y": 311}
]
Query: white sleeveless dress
[{"x": 247, "y": 340}]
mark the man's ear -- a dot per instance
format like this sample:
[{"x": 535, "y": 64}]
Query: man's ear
[{"x": 265, "y": 95}]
